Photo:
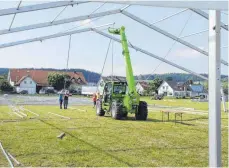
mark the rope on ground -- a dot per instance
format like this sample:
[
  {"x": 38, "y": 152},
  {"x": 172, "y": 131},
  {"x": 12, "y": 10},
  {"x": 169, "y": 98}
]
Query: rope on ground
[
  {"x": 5, "y": 154},
  {"x": 14, "y": 159},
  {"x": 59, "y": 115},
  {"x": 30, "y": 111}
]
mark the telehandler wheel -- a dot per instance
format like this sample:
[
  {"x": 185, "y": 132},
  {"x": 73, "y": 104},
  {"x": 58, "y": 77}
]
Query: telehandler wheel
[
  {"x": 99, "y": 109},
  {"x": 125, "y": 115},
  {"x": 142, "y": 111},
  {"x": 116, "y": 110}
]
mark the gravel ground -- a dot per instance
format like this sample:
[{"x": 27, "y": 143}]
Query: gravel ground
[{"x": 41, "y": 100}]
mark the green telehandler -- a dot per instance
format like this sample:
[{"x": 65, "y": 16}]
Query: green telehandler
[{"x": 120, "y": 97}]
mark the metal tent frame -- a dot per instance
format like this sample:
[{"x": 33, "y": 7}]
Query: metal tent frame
[{"x": 214, "y": 55}]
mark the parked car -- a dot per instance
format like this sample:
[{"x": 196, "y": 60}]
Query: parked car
[
  {"x": 23, "y": 92},
  {"x": 42, "y": 91},
  {"x": 47, "y": 90},
  {"x": 157, "y": 97},
  {"x": 74, "y": 92}
]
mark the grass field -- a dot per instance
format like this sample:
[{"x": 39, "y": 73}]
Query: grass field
[{"x": 102, "y": 141}]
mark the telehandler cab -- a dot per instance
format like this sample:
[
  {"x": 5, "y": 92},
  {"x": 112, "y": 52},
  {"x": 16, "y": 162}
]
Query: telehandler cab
[{"x": 121, "y": 97}]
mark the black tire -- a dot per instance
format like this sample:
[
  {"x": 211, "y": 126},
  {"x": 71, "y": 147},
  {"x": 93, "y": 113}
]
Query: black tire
[
  {"x": 142, "y": 111},
  {"x": 99, "y": 109},
  {"x": 116, "y": 111},
  {"x": 125, "y": 115}
]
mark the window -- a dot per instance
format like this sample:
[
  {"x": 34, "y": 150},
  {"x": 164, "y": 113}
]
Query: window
[
  {"x": 25, "y": 82},
  {"x": 120, "y": 89},
  {"x": 163, "y": 87},
  {"x": 166, "y": 87},
  {"x": 31, "y": 82}
]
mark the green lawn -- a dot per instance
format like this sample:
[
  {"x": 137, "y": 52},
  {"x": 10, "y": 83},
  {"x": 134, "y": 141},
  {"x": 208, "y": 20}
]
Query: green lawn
[
  {"x": 179, "y": 103},
  {"x": 102, "y": 141}
]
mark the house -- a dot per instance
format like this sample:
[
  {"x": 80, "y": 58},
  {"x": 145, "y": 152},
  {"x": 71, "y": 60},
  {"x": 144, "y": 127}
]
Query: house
[
  {"x": 26, "y": 83},
  {"x": 171, "y": 88},
  {"x": 180, "y": 89},
  {"x": 196, "y": 90},
  {"x": 141, "y": 87},
  {"x": 21, "y": 79}
]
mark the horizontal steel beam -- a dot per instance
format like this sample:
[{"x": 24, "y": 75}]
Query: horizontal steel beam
[
  {"x": 215, "y": 5},
  {"x": 49, "y": 36},
  {"x": 206, "y": 16},
  {"x": 58, "y": 22},
  {"x": 95, "y": 29},
  {"x": 43, "y": 38},
  {"x": 30, "y": 8},
  {"x": 150, "y": 54},
  {"x": 167, "y": 34}
]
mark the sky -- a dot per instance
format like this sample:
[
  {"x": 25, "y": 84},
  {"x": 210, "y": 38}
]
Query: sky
[{"x": 88, "y": 50}]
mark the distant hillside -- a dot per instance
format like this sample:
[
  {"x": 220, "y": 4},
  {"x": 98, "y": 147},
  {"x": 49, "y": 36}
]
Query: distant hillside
[
  {"x": 179, "y": 77},
  {"x": 89, "y": 76},
  {"x": 94, "y": 77},
  {"x": 4, "y": 71}
]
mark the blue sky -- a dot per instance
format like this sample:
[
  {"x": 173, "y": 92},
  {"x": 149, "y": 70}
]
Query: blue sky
[{"x": 89, "y": 49}]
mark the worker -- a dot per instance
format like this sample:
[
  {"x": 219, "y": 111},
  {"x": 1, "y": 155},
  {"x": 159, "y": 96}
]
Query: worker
[
  {"x": 66, "y": 95},
  {"x": 61, "y": 98},
  {"x": 94, "y": 98},
  {"x": 97, "y": 96},
  {"x": 105, "y": 94}
]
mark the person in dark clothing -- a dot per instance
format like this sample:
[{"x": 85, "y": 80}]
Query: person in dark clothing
[
  {"x": 94, "y": 98},
  {"x": 66, "y": 100},
  {"x": 61, "y": 99}
]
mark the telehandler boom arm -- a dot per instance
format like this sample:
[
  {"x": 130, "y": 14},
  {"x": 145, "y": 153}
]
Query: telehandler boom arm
[{"x": 126, "y": 54}]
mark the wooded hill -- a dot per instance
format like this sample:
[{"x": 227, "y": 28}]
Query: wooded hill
[{"x": 94, "y": 76}]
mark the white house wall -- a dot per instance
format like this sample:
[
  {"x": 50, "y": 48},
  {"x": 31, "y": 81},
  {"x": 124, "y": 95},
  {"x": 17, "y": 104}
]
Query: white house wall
[
  {"x": 165, "y": 88},
  {"x": 9, "y": 79},
  {"x": 27, "y": 84},
  {"x": 139, "y": 88}
]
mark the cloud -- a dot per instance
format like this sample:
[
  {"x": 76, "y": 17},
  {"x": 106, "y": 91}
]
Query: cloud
[{"x": 187, "y": 52}]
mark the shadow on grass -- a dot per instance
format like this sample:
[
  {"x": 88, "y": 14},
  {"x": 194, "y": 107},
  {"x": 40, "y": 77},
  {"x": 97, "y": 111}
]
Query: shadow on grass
[{"x": 89, "y": 144}]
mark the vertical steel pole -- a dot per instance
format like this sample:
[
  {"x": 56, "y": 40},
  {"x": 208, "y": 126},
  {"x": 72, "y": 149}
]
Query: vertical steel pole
[{"x": 214, "y": 90}]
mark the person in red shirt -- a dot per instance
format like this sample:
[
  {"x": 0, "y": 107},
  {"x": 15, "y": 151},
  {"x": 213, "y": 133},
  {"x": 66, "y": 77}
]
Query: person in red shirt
[{"x": 94, "y": 98}]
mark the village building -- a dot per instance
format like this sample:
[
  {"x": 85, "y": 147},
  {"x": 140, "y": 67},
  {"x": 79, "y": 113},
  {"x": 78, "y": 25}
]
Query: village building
[{"x": 33, "y": 81}]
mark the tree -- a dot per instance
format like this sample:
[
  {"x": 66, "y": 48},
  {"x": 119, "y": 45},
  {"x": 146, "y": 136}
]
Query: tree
[
  {"x": 225, "y": 87},
  {"x": 58, "y": 80},
  {"x": 5, "y": 86},
  {"x": 169, "y": 78},
  {"x": 154, "y": 85},
  {"x": 205, "y": 84}
]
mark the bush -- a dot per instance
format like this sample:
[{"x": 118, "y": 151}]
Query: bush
[
  {"x": 5, "y": 86},
  {"x": 58, "y": 80}
]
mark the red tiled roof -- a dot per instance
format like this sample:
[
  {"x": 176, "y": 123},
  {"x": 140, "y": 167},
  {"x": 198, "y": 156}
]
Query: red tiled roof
[
  {"x": 40, "y": 76},
  {"x": 18, "y": 83},
  {"x": 145, "y": 85}
]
